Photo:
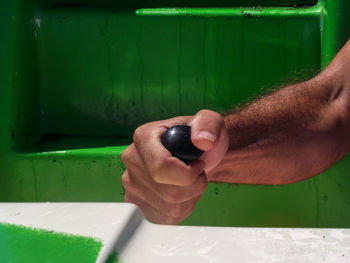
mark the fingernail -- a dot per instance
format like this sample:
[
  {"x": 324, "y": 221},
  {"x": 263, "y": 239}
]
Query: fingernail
[{"x": 207, "y": 135}]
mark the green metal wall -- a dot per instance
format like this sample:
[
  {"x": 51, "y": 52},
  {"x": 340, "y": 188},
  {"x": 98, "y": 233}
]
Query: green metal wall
[{"x": 77, "y": 77}]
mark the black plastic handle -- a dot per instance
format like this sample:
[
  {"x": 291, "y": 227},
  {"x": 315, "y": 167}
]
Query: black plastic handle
[{"x": 177, "y": 140}]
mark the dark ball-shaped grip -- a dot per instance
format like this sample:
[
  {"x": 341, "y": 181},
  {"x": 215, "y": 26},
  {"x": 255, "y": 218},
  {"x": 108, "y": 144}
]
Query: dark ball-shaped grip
[{"x": 177, "y": 140}]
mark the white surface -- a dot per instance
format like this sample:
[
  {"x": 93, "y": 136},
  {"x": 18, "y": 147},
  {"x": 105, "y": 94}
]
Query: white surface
[
  {"x": 121, "y": 226},
  {"x": 214, "y": 244},
  {"x": 112, "y": 223}
]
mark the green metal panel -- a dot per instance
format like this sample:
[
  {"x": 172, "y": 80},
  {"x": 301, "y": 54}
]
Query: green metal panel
[
  {"x": 336, "y": 30},
  {"x": 77, "y": 77},
  {"x": 175, "y": 3},
  {"x": 140, "y": 66}
]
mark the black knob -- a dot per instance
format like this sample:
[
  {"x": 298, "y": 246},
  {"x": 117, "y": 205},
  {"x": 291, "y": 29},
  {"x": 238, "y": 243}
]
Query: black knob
[{"x": 177, "y": 140}]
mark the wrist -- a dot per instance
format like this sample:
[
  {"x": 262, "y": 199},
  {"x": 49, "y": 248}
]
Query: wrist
[{"x": 334, "y": 84}]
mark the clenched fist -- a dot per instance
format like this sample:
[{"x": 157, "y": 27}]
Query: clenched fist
[{"x": 163, "y": 187}]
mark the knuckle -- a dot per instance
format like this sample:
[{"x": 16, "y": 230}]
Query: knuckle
[
  {"x": 173, "y": 196},
  {"x": 179, "y": 217},
  {"x": 189, "y": 179},
  {"x": 176, "y": 211},
  {"x": 188, "y": 175},
  {"x": 158, "y": 170},
  {"x": 160, "y": 178},
  {"x": 126, "y": 154},
  {"x": 139, "y": 133},
  {"x": 125, "y": 180},
  {"x": 157, "y": 178}
]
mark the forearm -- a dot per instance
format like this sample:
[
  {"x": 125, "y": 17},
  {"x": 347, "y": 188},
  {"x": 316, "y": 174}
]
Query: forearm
[
  {"x": 285, "y": 161},
  {"x": 290, "y": 135}
]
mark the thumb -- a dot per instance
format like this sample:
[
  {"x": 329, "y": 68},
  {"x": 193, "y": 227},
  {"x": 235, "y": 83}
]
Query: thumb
[{"x": 206, "y": 128}]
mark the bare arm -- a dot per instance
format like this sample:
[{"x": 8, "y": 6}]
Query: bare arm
[{"x": 291, "y": 134}]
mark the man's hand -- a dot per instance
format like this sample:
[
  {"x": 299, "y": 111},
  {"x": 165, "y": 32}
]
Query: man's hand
[
  {"x": 163, "y": 187},
  {"x": 287, "y": 136}
]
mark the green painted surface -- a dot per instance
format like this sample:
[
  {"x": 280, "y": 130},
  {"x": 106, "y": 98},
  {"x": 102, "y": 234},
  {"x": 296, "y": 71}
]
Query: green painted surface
[
  {"x": 78, "y": 76},
  {"x": 336, "y": 30},
  {"x": 176, "y": 3},
  {"x": 124, "y": 76},
  {"x": 22, "y": 244}
]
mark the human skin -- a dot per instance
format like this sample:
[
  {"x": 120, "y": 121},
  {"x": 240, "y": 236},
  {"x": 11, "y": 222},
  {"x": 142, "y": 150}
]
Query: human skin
[{"x": 284, "y": 137}]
